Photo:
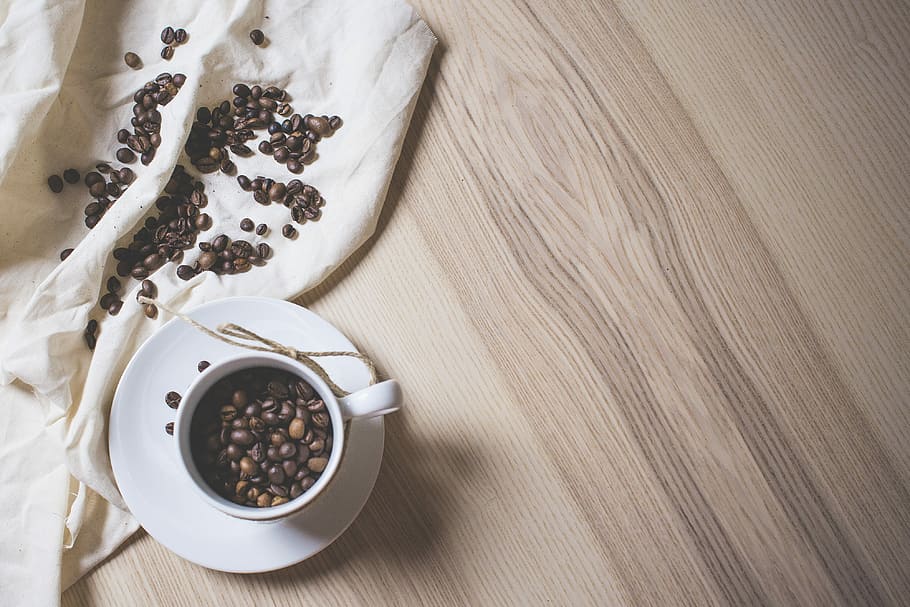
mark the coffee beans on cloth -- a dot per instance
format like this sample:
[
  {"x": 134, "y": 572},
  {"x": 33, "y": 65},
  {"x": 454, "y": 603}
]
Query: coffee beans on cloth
[{"x": 261, "y": 437}]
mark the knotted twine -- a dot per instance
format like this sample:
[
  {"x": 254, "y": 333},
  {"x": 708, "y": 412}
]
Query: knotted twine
[{"x": 232, "y": 334}]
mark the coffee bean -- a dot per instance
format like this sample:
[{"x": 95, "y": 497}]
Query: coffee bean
[
  {"x": 247, "y": 465},
  {"x": 167, "y": 52},
  {"x": 288, "y": 231},
  {"x": 261, "y": 197},
  {"x": 106, "y": 300},
  {"x": 150, "y": 311},
  {"x": 169, "y": 428},
  {"x": 246, "y": 224},
  {"x": 257, "y": 37},
  {"x": 261, "y": 229},
  {"x": 125, "y": 155},
  {"x": 185, "y": 272},
  {"x": 114, "y": 308},
  {"x": 277, "y": 191},
  {"x": 126, "y": 175},
  {"x": 132, "y": 60},
  {"x": 335, "y": 123},
  {"x": 203, "y": 222},
  {"x": 179, "y": 80},
  {"x": 113, "y": 285},
  {"x": 321, "y": 419},
  {"x": 294, "y": 166},
  {"x": 167, "y": 35},
  {"x": 243, "y": 437},
  {"x": 264, "y": 500},
  {"x": 281, "y": 154},
  {"x": 172, "y": 399},
  {"x": 265, "y": 147},
  {"x": 203, "y": 365},
  {"x": 265, "y": 251},
  {"x": 180, "y": 36},
  {"x": 71, "y": 176},
  {"x": 317, "y": 464},
  {"x": 146, "y": 157},
  {"x": 65, "y": 253},
  {"x": 297, "y": 428},
  {"x": 55, "y": 184}
]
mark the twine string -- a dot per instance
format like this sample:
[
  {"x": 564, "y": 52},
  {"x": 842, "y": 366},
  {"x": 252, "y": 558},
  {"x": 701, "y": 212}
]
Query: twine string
[{"x": 242, "y": 337}]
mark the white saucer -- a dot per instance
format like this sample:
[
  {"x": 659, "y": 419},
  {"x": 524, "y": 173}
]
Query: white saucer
[{"x": 158, "y": 492}]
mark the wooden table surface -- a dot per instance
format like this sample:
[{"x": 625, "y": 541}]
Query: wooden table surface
[{"x": 643, "y": 272}]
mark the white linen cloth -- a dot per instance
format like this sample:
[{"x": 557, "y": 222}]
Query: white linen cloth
[{"x": 64, "y": 93}]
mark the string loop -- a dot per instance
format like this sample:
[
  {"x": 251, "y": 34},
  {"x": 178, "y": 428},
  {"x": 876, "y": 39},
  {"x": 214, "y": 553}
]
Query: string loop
[{"x": 242, "y": 337}]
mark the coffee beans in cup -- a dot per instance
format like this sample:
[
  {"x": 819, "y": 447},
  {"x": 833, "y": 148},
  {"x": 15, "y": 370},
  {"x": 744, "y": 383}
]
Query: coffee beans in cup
[{"x": 261, "y": 437}]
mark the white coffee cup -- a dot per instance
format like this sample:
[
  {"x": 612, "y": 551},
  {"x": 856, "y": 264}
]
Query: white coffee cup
[{"x": 378, "y": 399}]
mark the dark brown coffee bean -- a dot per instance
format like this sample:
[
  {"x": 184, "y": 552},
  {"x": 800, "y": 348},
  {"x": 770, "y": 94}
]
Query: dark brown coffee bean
[
  {"x": 276, "y": 474},
  {"x": 261, "y": 229},
  {"x": 126, "y": 175},
  {"x": 203, "y": 222},
  {"x": 172, "y": 399},
  {"x": 317, "y": 446},
  {"x": 257, "y": 37},
  {"x": 132, "y": 60},
  {"x": 284, "y": 109},
  {"x": 167, "y": 52},
  {"x": 114, "y": 308},
  {"x": 203, "y": 365},
  {"x": 125, "y": 155},
  {"x": 281, "y": 154},
  {"x": 71, "y": 176},
  {"x": 294, "y": 167},
  {"x": 169, "y": 428},
  {"x": 234, "y": 452},
  {"x": 247, "y": 465},
  {"x": 335, "y": 123},
  {"x": 55, "y": 183},
  {"x": 265, "y": 251},
  {"x": 288, "y": 231},
  {"x": 91, "y": 221},
  {"x": 185, "y": 272},
  {"x": 150, "y": 311},
  {"x": 243, "y": 437},
  {"x": 180, "y": 36},
  {"x": 277, "y": 191},
  {"x": 98, "y": 189},
  {"x": 264, "y": 500},
  {"x": 106, "y": 300},
  {"x": 179, "y": 80},
  {"x": 112, "y": 190},
  {"x": 91, "y": 178},
  {"x": 147, "y": 156},
  {"x": 244, "y": 182},
  {"x": 113, "y": 285},
  {"x": 65, "y": 253},
  {"x": 261, "y": 197},
  {"x": 122, "y": 135},
  {"x": 167, "y": 35},
  {"x": 152, "y": 262},
  {"x": 246, "y": 224},
  {"x": 265, "y": 147}
]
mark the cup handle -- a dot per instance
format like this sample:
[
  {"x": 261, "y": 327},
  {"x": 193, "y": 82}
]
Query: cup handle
[{"x": 378, "y": 399}]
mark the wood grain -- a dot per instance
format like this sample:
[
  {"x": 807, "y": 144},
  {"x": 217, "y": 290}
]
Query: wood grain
[{"x": 643, "y": 270}]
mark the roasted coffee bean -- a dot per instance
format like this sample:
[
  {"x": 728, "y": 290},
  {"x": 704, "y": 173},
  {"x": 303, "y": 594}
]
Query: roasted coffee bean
[
  {"x": 265, "y": 251},
  {"x": 243, "y": 437},
  {"x": 125, "y": 155},
  {"x": 149, "y": 289},
  {"x": 261, "y": 229},
  {"x": 264, "y": 500},
  {"x": 92, "y": 220},
  {"x": 169, "y": 428},
  {"x": 257, "y": 37},
  {"x": 146, "y": 157},
  {"x": 261, "y": 197},
  {"x": 287, "y": 450},
  {"x": 172, "y": 399},
  {"x": 55, "y": 183},
  {"x": 126, "y": 175},
  {"x": 288, "y": 231},
  {"x": 203, "y": 365},
  {"x": 122, "y": 135},
  {"x": 180, "y": 36},
  {"x": 114, "y": 308},
  {"x": 220, "y": 243},
  {"x": 71, "y": 176},
  {"x": 317, "y": 464},
  {"x": 265, "y": 147},
  {"x": 244, "y": 182},
  {"x": 185, "y": 272},
  {"x": 278, "y": 191},
  {"x": 179, "y": 80},
  {"x": 281, "y": 154},
  {"x": 246, "y": 224},
  {"x": 203, "y": 222},
  {"x": 98, "y": 189},
  {"x": 247, "y": 465},
  {"x": 294, "y": 166},
  {"x": 150, "y": 311},
  {"x": 112, "y": 190},
  {"x": 335, "y": 123},
  {"x": 91, "y": 178},
  {"x": 106, "y": 300},
  {"x": 167, "y": 35},
  {"x": 284, "y": 109},
  {"x": 65, "y": 253},
  {"x": 167, "y": 52},
  {"x": 321, "y": 419},
  {"x": 132, "y": 60},
  {"x": 297, "y": 428},
  {"x": 113, "y": 285}
]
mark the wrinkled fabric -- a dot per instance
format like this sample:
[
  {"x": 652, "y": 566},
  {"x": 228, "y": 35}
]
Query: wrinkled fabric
[{"x": 65, "y": 92}]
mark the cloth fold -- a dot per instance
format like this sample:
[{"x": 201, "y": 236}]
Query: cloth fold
[{"x": 66, "y": 91}]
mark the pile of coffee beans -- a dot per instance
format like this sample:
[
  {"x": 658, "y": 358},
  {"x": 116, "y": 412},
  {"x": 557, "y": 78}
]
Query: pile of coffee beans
[
  {"x": 224, "y": 256},
  {"x": 261, "y": 437},
  {"x": 302, "y": 199},
  {"x": 146, "y": 120},
  {"x": 172, "y": 38}
]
